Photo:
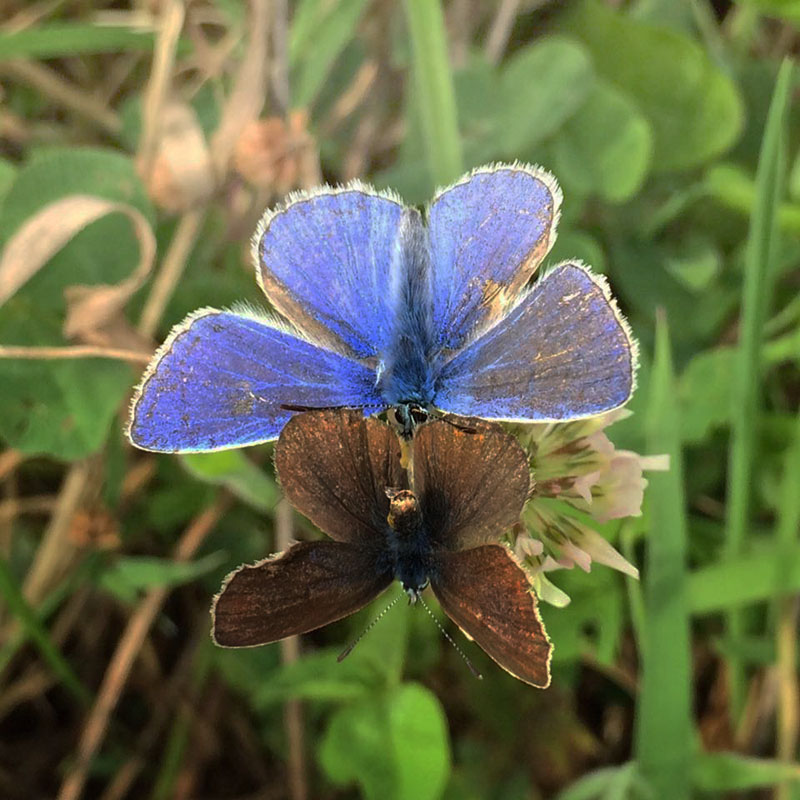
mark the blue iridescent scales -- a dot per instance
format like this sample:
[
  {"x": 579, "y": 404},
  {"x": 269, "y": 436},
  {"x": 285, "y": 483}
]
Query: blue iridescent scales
[{"x": 379, "y": 308}]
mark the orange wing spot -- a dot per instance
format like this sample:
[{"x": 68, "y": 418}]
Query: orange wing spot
[{"x": 495, "y": 297}]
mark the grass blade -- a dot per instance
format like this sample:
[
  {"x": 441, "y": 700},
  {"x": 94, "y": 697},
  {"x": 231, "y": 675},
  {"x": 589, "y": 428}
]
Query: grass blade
[
  {"x": 762, "y": 245},
  {"x": 732, "y": 772},
  {"x": 433, "y": 82},
  {"x": 738, "y": 582},
  {"x": 320, "y": 32},
  {"x": 70, "y": 39},
  {"x": 786, "y": 611},
  {"x": 49, "y": 605},
  {"x": 788, "y": 523},
  {"x": 38, "y": 634},
  {"x": 664, "y": 734}
]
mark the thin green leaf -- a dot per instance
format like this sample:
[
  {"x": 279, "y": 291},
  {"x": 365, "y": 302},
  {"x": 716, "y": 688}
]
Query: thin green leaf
[
  {"x": 70, "y": 39},
  {"x": 609, "y": 783},
  {"x": 39, "y": 635},
  {"x": 737, "y": 582},
  {"x": 320, "y": 32},
  {"x": 731, "y": 186},
  {"x": 761, "y": 250},
  {"x": 433, "y": 82},
  {"x": 732, "y": 772},
  {"x": 664, "y": 734},
  {"x": 788, "y": 521},
  {"x": 788, "y": 9},
  {"x": 629, "y": 532},
  {"x": 51, "y": 603},
  {"x": 784, "y": 609}
]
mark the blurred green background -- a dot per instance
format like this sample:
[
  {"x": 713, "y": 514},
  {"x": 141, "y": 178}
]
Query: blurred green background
[{"x": 128, "y": 126}]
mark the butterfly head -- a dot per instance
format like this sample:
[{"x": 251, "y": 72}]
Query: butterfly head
[{"x": 407, "y": 416}]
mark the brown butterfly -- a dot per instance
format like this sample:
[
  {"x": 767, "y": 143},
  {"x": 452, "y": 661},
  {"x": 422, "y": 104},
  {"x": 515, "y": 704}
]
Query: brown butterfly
[{"x": 343, "y": 471}]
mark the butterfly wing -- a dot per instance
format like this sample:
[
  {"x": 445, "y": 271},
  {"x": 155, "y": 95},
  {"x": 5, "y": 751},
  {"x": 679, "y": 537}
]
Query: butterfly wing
[
  {"x": 488, "y": 234},
  {"x": 335, "y": 466},
  {"x": 220, "y": 380},
  {"x": 308, "y": 586},
  {"x": 330, "y": 261},
  {"x": 563, "y": 353},
  {"x": 471, "y": 486},
  {"x": 488, "y": 596}
]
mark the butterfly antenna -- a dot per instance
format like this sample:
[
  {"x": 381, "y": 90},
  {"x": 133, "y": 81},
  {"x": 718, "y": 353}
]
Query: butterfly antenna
[
  {"x": 450, "y": 639},
  {"x": 450, "y": 419},
  {"x": 349, "y": 649},
  {"x": 294, "y": 407}
]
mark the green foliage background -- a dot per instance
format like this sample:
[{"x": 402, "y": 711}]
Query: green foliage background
[{"x": 670, "y": 127}]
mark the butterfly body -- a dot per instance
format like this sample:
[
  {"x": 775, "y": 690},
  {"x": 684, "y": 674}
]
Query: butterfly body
[
  {"x": 380, "y": 309},
  {"x": 410, "y": 361}
]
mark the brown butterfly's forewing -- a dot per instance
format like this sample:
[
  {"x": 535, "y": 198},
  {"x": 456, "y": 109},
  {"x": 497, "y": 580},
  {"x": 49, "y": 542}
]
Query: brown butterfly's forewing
[
  {"x": 308, "y": 586},
  {"x": 334, "y": 467},
  {"x": 472, "y": 486},
  {"x": 488, "y": 596}
]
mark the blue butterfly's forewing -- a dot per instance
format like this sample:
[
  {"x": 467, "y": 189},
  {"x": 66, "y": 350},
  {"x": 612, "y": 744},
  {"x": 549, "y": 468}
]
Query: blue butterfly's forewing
[
  {"x": 564, "y": 352},
  {"x": 327, "y": 260},
  {"x": 220, "y": 380},
  {"x": 488, "y": 234}
]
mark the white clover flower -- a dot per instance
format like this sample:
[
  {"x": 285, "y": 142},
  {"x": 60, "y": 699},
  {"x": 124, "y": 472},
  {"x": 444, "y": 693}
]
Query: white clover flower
[{"x": 576, "y": 468}]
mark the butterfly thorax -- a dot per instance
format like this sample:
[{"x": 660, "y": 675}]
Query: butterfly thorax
[
  {"x": 410, "y": 542},
  {"x": 408, "y": 363}
]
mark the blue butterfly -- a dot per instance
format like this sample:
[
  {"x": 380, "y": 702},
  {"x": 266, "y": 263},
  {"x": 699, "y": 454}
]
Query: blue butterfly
[{"x": 382, "y": 311}]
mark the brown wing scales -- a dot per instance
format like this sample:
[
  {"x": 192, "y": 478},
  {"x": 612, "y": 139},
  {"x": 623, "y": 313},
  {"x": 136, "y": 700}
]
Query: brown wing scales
[
  {"x": 334, "y": 467},
  {"x": 308, "y": 586},
  {"x": 472, "y": 485},
  {"x": 488, "y": 596}
]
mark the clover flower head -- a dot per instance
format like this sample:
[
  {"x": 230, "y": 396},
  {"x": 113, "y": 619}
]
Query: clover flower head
[{"x": 580, "y": 478}]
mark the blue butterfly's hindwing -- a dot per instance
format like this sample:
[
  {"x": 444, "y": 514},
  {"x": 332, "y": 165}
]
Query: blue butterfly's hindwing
[{"x": 563, "y": 353}]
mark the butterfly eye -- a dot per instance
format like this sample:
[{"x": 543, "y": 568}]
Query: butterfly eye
[
  {"x": 418, "y": 414},
  {"x": 414, "y": 592}
]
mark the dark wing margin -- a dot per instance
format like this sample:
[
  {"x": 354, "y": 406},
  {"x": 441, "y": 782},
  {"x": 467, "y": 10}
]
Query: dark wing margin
[
  {"x": 308, "y": 586},
  {"x": 488, "y": 596},
  {"x": 335, "y": 466},
  {"x": 472, "y": 486}
]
